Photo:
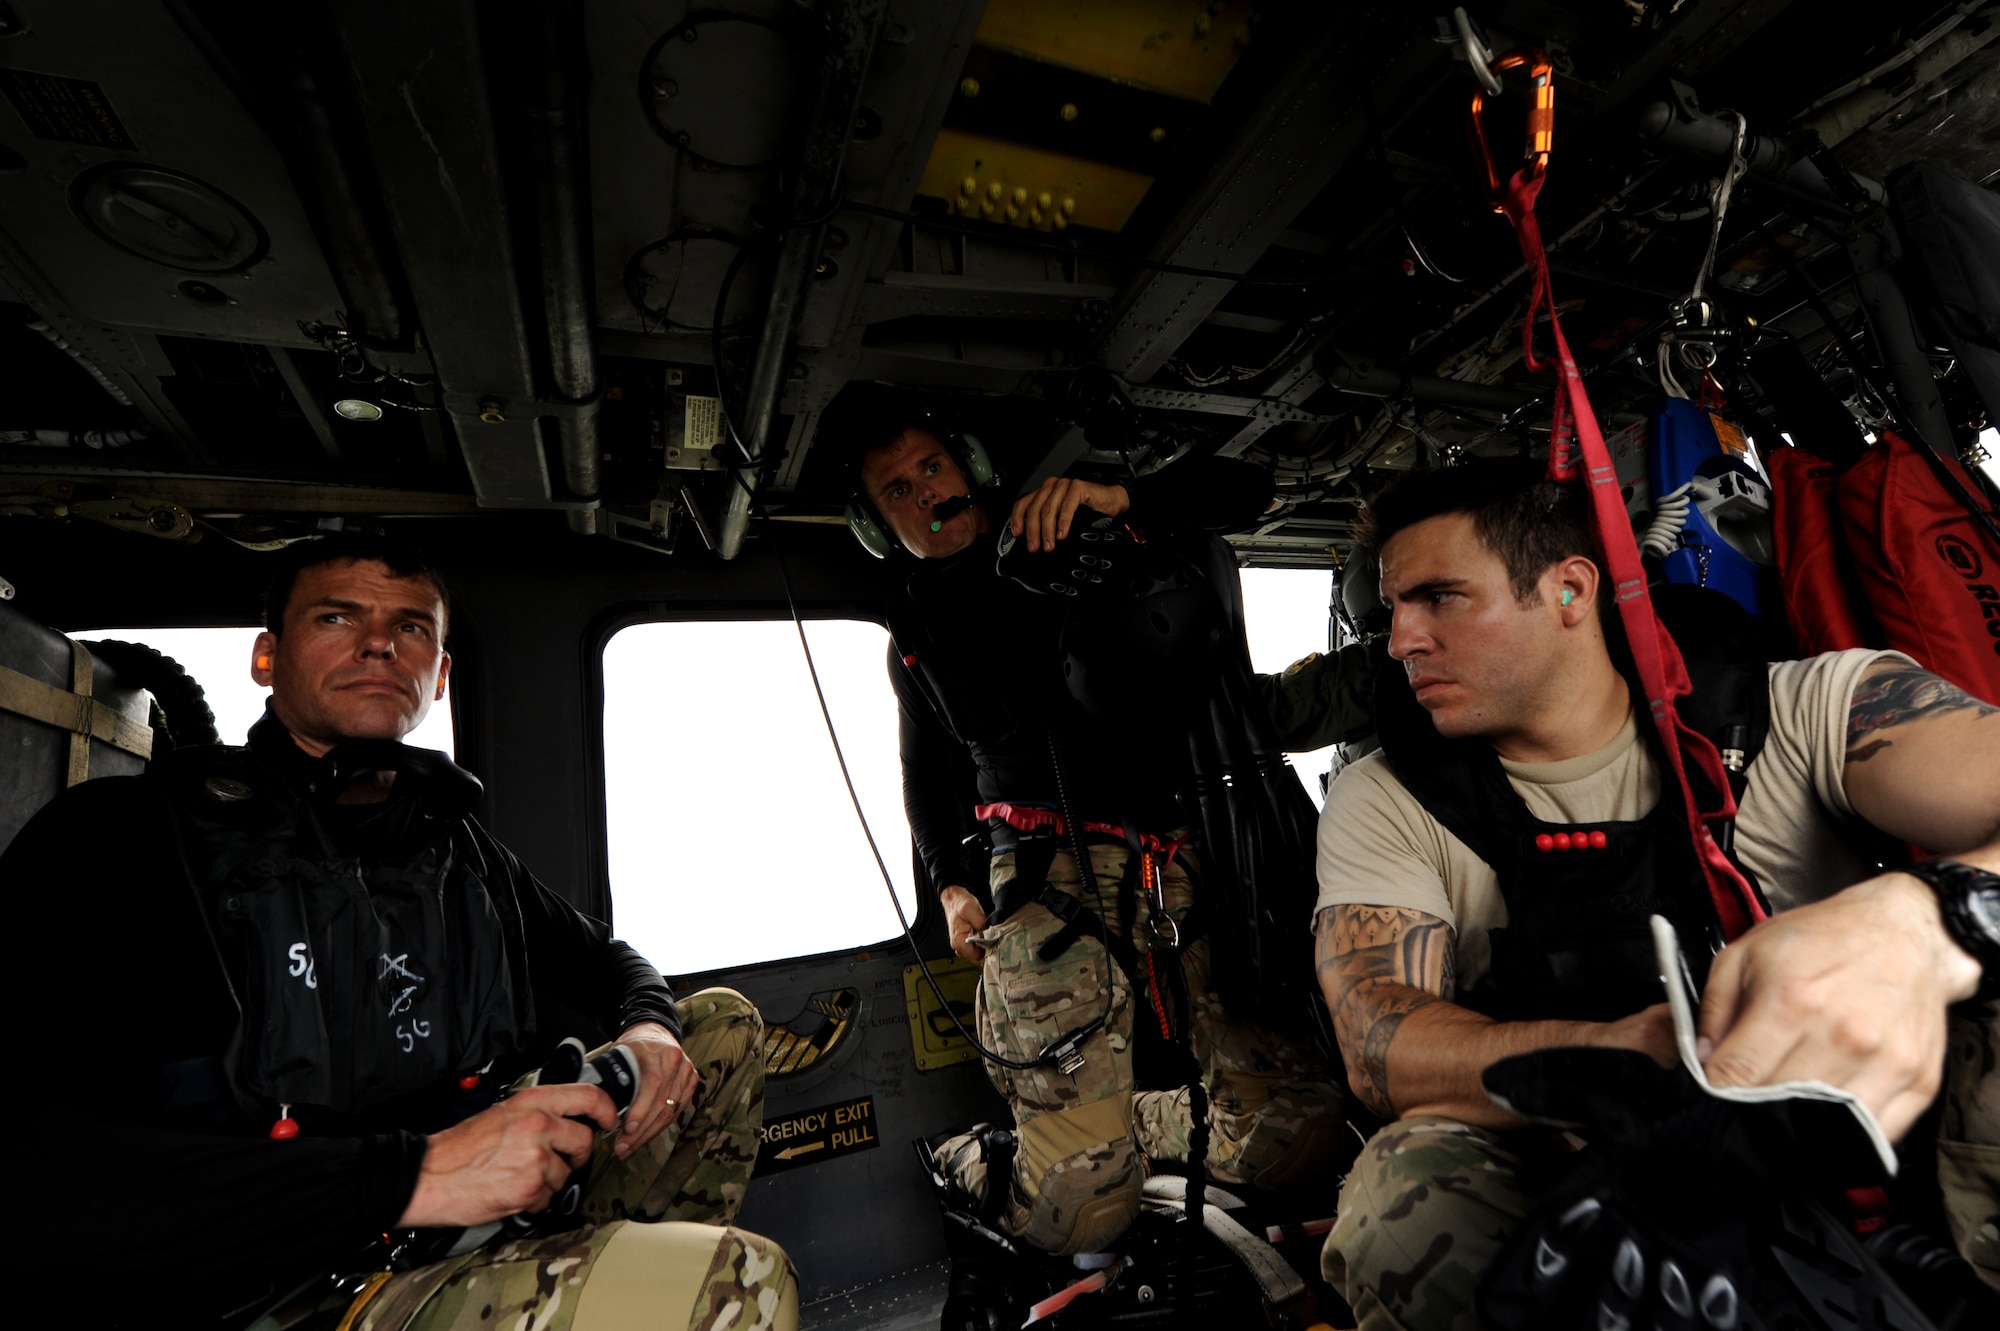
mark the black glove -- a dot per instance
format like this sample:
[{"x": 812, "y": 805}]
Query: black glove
[{"x": 1687, "y": 1211}]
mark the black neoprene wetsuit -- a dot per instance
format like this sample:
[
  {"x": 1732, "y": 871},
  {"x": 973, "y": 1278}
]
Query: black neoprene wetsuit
[
  {"x": 987, "y": 654},
  {"x": 132, "y": 1137}
]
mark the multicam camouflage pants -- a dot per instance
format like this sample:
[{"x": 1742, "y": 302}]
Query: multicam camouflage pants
[
  {"x": 614, "y": 1270},
  {"x": 1275, "y": 1111},
  {"x": 1430, "y": 1203},
  {"x": 1969, "y": 1141}
]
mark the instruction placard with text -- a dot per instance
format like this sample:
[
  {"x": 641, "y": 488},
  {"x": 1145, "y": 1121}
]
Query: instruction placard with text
[{"x": 814, "y": 1135}]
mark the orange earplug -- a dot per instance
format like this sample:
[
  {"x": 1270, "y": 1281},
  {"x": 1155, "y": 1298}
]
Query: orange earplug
[{"x": 263, "y": 663}]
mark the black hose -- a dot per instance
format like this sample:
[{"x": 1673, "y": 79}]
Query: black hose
[{"x": 180, "y": 716}]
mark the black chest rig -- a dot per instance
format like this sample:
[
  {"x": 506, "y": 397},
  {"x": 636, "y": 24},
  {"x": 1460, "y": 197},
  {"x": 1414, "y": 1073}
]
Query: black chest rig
[
  {"x": 361, "y": 978},
  {"x": 1578, "y": 944}
]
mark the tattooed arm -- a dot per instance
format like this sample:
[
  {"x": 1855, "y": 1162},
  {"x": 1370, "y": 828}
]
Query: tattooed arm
[
  {"x": 1852, "y": 990},
  {"x": 1388, "y": 976},
  {"x": 1923, "y": 759}
]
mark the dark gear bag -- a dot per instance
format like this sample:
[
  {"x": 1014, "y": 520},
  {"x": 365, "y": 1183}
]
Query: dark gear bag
[
  {"x": 1259, "y": 834},
  {"x": 358, "y": 981},
  {"x": 1690, "y": 1211}
]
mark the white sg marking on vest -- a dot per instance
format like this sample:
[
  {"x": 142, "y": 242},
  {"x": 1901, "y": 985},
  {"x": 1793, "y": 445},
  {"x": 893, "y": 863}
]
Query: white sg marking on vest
[
  {"x": 302, "y": 964},
  {"x": 409, "y": 1035}
]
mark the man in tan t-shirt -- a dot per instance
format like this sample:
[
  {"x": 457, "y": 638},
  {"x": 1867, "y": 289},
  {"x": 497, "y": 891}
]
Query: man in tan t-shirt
[{"x": 1499, "y": 617}]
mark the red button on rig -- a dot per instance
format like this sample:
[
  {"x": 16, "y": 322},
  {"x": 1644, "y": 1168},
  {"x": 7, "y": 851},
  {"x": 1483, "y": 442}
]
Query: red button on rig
[
  {"x": 469, "y": 1082},
  {"x": 1598, "y": 841},
  {"x": 1562, "y": 841},
  {"x": 1544, "y": 841},
  {"x": 910, "y": 660},
  {"x": 286, "y": 1127}
]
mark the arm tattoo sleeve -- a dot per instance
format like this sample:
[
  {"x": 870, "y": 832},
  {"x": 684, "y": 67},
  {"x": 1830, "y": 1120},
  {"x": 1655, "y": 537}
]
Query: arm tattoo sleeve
[
  {"x": 1895, "y": 694},
  {"x": 1377, "y": 965}
]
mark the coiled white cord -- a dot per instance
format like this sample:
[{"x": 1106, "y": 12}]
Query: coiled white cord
[{"x": 1663, "y": 534}]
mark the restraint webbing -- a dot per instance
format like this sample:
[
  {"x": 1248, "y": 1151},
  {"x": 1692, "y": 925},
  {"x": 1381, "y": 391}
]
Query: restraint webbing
[
  {"x": 1662, "y": 674},
  {"x": 74, "y": 710}
]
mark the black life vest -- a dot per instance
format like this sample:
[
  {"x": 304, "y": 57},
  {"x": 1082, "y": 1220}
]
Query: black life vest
[
  {"x": 1577, "y": 944},
  {"x": 359, "y": 981}
]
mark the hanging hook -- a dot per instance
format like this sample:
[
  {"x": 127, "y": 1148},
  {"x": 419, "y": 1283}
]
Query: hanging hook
[
  {"x": 1718, "y": 198},
  {"x": 1475, "y": 52}
]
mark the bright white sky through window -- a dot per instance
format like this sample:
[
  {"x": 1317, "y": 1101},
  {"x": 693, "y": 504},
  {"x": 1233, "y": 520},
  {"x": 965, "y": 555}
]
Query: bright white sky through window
[
  {"x": 219, "y": 660},
  {"x": 731, "y": 838}
]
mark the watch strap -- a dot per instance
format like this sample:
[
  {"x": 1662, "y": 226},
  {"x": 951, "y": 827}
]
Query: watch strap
[{"x": 1955, "y": 885}]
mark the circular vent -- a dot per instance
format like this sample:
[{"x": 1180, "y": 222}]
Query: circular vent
[
  {"x": 169, "y": 218},
  {"x": 719, "y": 87}
]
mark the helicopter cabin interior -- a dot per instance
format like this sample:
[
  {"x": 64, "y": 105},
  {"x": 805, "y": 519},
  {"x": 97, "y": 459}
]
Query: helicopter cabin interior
[{"x": 563, "y": 292}]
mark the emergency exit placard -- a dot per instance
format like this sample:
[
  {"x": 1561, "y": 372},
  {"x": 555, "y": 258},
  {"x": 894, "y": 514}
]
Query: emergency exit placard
[{"x": 813, "y": 1135}]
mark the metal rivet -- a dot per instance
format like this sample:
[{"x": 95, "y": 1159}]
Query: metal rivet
[
  {"x": 1158, "y": 134},
  {"x": 1068, "y": 111},
  {"x": 227, "y": 788},
  {"x": 490, "y": 412},
  {"x": 969, "y": 86}
]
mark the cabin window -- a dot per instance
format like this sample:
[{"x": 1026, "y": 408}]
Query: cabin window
[
  {"x": 1287, "y": 615},
  {"x": 730, "y": 836},
  {"x": 219, "y": 661}
]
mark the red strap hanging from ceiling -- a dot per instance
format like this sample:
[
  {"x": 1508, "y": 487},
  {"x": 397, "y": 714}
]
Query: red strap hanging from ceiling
[{"x": 1576, "y": 449}]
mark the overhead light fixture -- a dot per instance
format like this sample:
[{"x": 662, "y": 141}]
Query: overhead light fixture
[{"x": 355, "y": 409}]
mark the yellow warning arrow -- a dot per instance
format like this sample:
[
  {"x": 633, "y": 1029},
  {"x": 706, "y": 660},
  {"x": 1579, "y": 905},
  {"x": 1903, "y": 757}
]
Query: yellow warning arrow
[{"x": 791, "y": 1152}]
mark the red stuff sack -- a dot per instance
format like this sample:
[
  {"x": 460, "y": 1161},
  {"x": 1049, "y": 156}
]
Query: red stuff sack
[
  {"x": 1824, "y": 605},
  {"x": 1929, "y": 568}
]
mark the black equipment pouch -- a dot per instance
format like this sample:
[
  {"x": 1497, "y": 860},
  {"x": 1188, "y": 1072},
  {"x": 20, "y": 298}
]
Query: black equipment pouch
[{"x": 1687, "y": 1210}]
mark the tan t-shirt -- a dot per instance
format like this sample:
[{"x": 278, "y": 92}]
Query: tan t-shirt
[{"x": 1378, "y": 847}]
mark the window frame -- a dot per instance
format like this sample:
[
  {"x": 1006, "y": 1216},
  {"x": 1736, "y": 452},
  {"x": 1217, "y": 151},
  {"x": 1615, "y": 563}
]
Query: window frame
[{"x": 614, "y": 620}]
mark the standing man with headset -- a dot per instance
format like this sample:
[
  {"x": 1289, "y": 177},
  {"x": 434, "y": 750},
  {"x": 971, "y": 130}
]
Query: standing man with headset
[{"x": 979, "y": 667}]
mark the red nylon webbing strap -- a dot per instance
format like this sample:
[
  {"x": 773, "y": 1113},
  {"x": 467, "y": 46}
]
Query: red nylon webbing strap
[
  {"x": 1034, "y": 820},
  {"x": 1662, "y": 674}
]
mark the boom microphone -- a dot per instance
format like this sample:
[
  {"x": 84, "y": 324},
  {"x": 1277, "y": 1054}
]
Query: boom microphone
[{"x": 948, "y": 510}]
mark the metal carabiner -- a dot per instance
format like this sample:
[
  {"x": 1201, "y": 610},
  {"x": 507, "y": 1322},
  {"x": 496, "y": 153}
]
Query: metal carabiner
[{"x": 1541, "y": 117}]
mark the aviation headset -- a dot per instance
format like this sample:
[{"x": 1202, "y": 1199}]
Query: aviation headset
[{"x": 964, "y": 449}]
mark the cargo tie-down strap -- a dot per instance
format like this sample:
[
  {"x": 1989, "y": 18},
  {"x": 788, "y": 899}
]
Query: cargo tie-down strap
[
  {"x": 1576, "y": 445},
  {"x": 73, "y": 709}
]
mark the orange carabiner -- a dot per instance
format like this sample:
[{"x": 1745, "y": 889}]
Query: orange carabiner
[{"x": 1541, "y": 116}]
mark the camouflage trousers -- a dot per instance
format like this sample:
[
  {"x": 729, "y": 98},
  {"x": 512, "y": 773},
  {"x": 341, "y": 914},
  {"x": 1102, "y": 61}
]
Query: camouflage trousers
[
  {"x": 1276, "y": 1114},
  {"x": 1969, "y": 1141},
  {"x": 615, "y": 1270},
  {"x": 1431, "y": 1202}
]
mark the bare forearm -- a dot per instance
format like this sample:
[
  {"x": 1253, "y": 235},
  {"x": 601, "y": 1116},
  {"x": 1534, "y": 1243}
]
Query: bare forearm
[
  {"x": 1389, "y": 977},
  {"x": 1433, "y": 1064}
]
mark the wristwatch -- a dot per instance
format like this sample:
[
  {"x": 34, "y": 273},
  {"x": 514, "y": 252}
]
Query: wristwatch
[{"x": 1969, "y": 901}]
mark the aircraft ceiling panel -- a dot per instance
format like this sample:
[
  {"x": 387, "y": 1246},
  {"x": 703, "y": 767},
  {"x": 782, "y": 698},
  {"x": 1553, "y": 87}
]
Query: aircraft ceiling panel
[{"x": 149, "y": 197}]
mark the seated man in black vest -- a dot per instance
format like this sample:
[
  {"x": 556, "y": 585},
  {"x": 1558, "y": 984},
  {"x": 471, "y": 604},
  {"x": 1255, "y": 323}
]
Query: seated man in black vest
[
  {"x": 1486, "y": 882},
  {"x": 327, "y": 976}
]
